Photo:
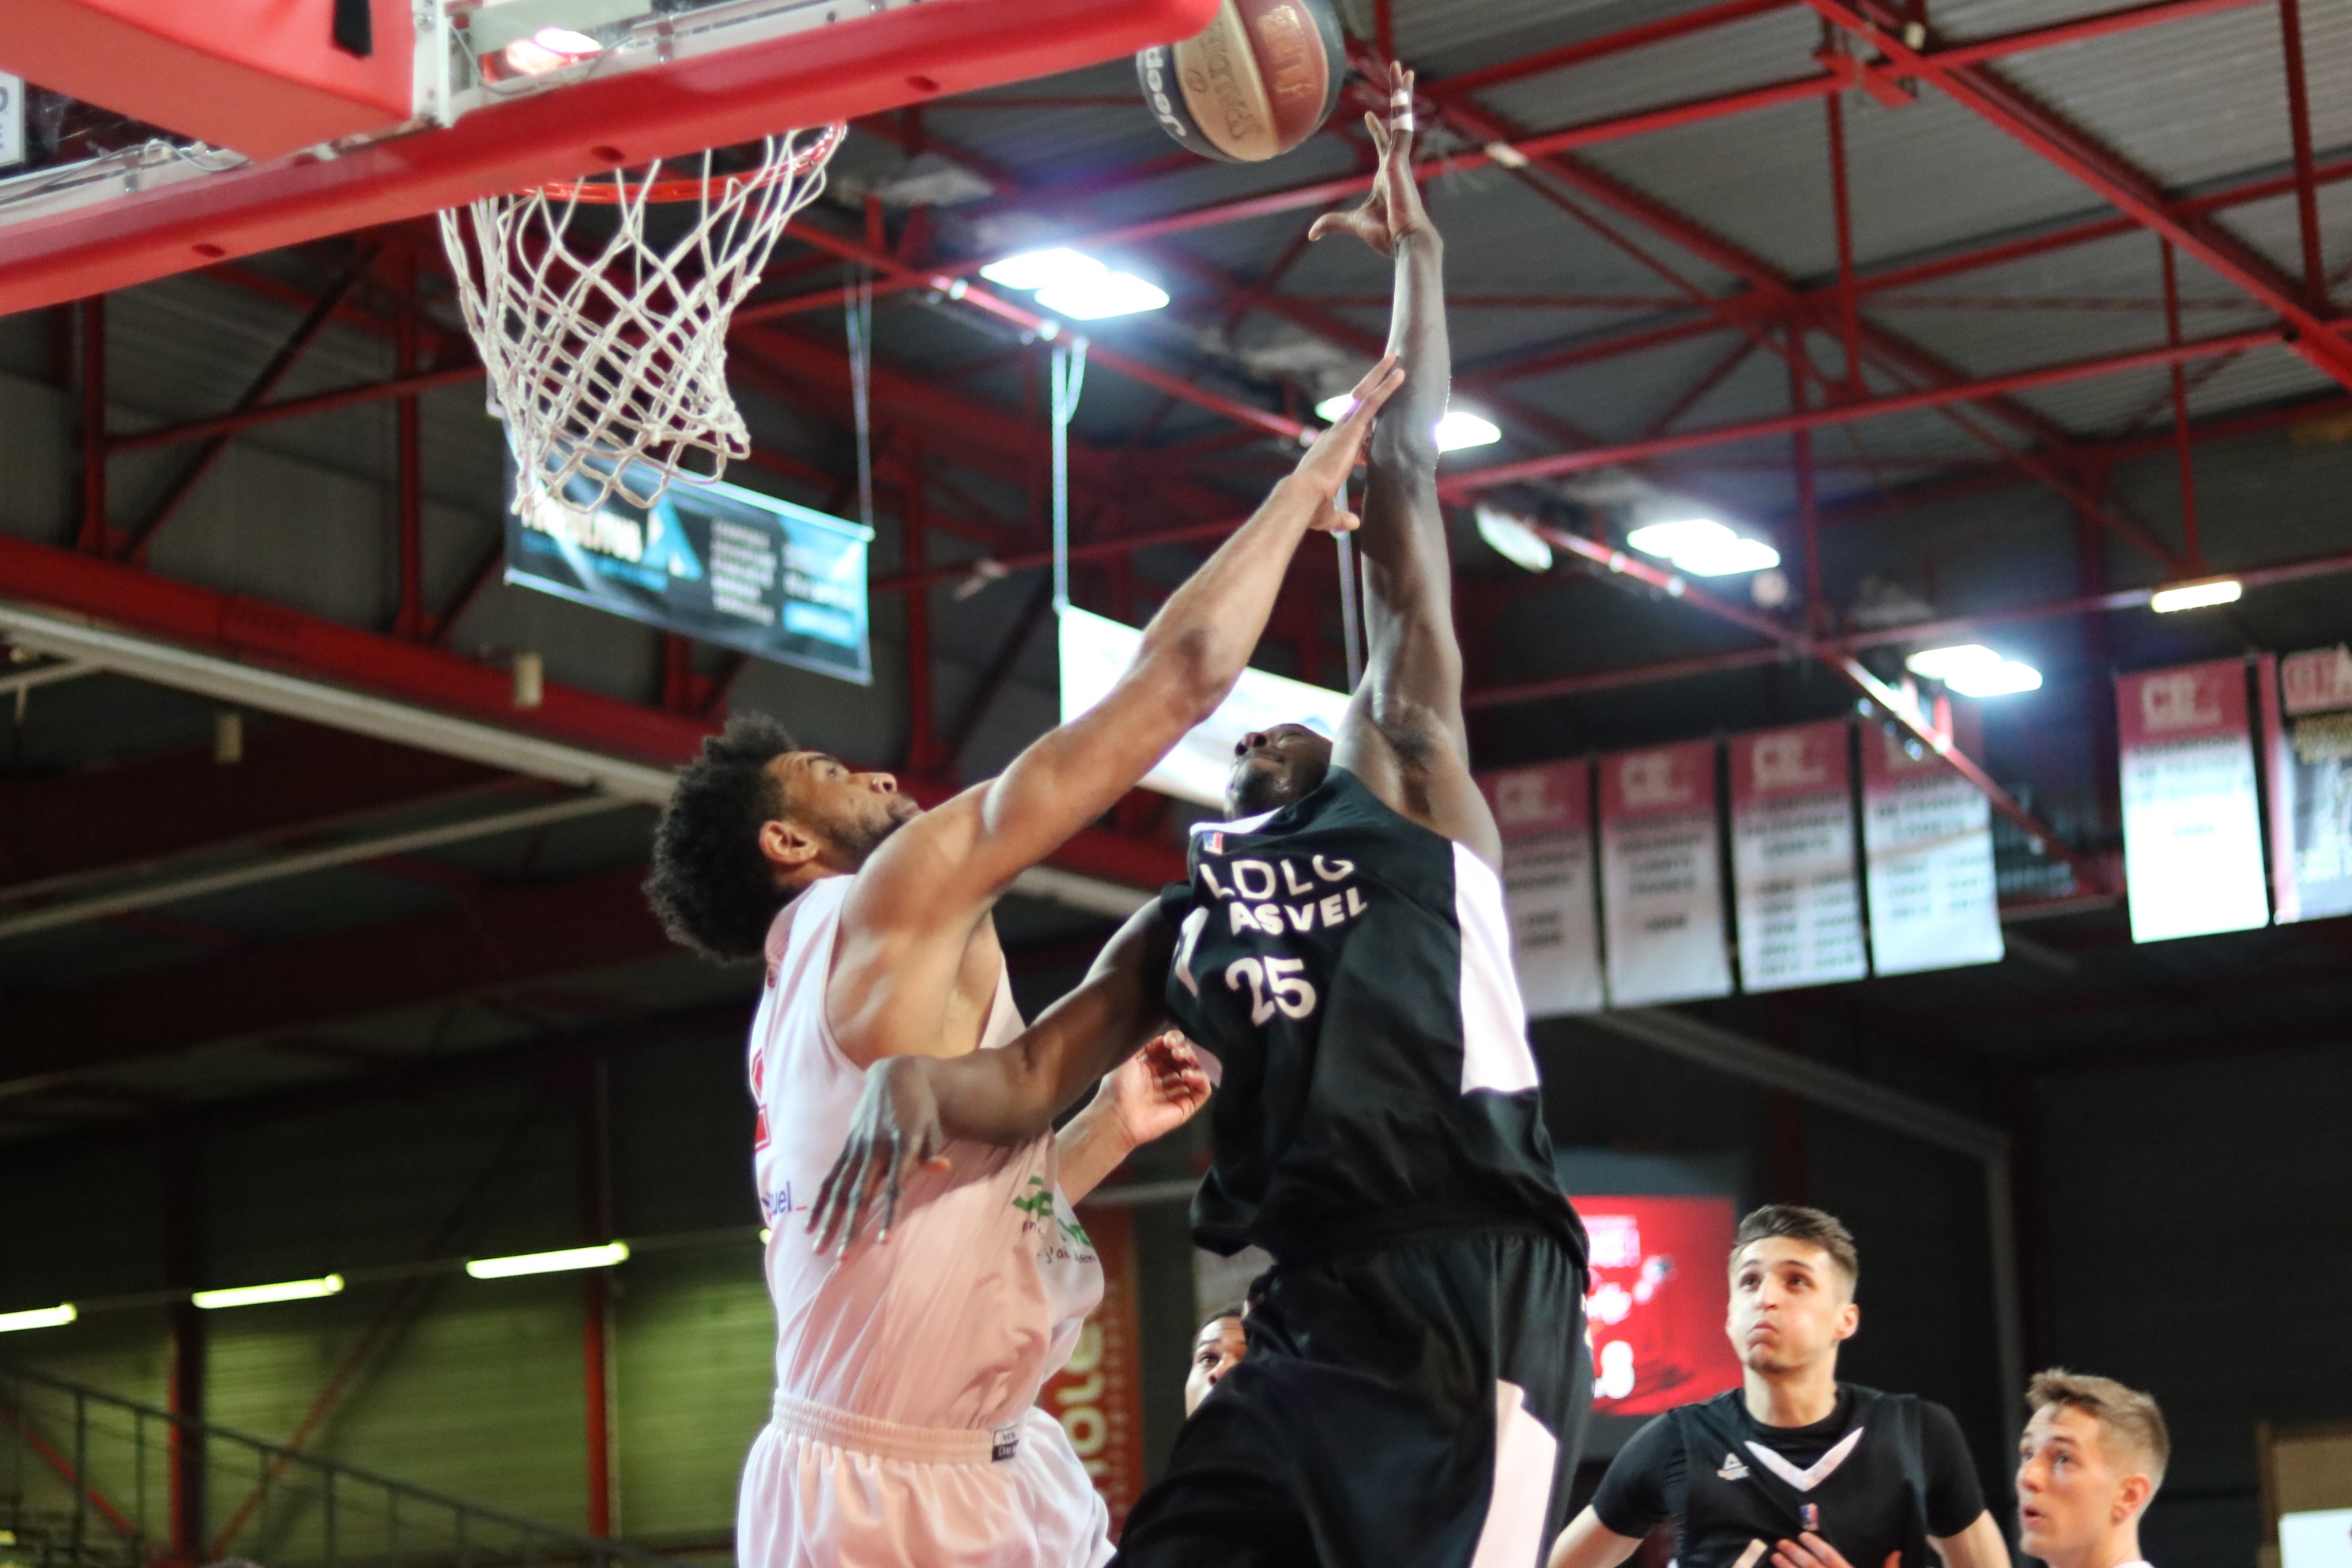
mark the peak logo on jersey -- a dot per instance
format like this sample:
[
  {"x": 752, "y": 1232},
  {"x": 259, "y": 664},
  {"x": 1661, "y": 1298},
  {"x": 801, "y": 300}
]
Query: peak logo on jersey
[{"x": 1732, "y": 1468}]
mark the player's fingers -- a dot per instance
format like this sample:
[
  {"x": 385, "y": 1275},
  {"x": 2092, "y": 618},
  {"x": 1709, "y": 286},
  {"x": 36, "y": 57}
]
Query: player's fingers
[
  {"x": 1373, "y": 123},
  {"x": 1330, "y": 223},
  {"x": 890, "y": 1186}
]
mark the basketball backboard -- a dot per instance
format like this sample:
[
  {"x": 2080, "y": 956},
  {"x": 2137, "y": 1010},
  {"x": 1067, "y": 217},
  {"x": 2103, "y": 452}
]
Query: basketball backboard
[{"x": 449, "y": 103}]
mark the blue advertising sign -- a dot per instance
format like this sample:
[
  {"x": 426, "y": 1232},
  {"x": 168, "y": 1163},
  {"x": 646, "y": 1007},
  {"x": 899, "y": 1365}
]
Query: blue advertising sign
[{"x": 707, "y": 560}]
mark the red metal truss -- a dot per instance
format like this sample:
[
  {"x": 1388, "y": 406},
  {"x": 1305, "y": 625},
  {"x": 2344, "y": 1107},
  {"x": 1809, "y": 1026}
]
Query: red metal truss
[{"x": 2132, "y": 191}]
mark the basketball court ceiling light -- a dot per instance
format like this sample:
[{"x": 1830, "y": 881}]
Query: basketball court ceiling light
[
  {"x": 1071, "y": 283},
  {"x": 2196, "y": 596},
  {"x": 1459, "y": 428},
  {"x": 56, "y": 1317},
  {"x": 520, "y": 31},
  {"x": 1702, "y": 547},
  {"x": 260, "y": 1295},
  {"x": 603, "y": 1257},
  {"x": 1973, "y": 669},
  {"x": 1513, "y": 539}
]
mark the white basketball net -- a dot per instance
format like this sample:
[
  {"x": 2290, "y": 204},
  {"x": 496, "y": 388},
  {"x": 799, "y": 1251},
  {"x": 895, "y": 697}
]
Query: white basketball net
[{"x": 608, "y": 353}]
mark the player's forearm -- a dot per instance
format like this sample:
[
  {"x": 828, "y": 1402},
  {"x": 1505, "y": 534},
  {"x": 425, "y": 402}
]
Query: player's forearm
[
  {"x": 1089, "y": 1148},
  {"x": 1406, "y": 439},
  {"x": 1201, "y": 640},
  {"x": 1588, "y": 1544}
]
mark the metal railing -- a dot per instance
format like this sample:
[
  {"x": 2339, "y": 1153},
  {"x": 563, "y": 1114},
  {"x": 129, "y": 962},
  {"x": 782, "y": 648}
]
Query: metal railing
[{"x": 88, "y": 1479}]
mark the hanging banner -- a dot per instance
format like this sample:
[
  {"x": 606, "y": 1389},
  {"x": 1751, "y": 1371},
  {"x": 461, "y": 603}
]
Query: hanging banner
[
  {"x": 1927, "y": 839},
  {"x": 710, "y": 560},
  {"x": 2193, "y": 831},
  {"x": 1545, "y": 815},
  {"x": 1795, "y": 887},
  {"x": 1097, "y": 650},
  {"x": 1662, "y": 881},
  {"x": 2310, "y": 752},
  {"x": 1097, "y": 1396}
]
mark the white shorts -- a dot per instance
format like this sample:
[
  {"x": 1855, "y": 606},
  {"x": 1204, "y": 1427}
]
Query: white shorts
[{"x": 824, "y": 1488}]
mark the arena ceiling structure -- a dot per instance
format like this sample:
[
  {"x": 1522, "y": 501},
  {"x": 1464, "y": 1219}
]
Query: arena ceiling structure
[{"x": 1991, "y": 315}]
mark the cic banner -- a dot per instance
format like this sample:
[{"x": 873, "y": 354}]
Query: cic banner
[
  {"x": 1798, "y": 896},
  {"x": 1926, "y": 835},
  {"x": 1661, "y": 878},
  {"x": 2192, "y": 826},
  {"x": 1545, "y": 815},
  {"x": 2311, "y": 782}
]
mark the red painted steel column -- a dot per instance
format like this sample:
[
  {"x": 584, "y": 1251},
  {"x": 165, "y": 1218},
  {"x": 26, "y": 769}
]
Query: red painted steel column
[
  {"x": 596, "y": 1288},
  {"x": 2298, "y": 121},
  {"x": 1808, "y": 508},
  {"x": 1849, "y": 307},
  {"x": 182, "y": 1269},
  {"x": 2190, "y": 547},
  {"x": 92, "y": 537}
]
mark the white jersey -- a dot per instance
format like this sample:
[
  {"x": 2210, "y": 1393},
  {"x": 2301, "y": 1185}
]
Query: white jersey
[{"x": 908, "y": 1373}]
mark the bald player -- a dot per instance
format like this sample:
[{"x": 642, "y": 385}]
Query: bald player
[
  {"x": 903, "y": 1427},
  {"x": 2090, "y": 1463}
]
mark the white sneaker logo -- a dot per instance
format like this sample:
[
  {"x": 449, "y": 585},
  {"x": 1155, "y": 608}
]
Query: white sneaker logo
[{"x": 1732, "y": 1468}]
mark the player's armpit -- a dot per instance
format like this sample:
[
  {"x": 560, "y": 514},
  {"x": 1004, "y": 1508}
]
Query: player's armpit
[{"x": 1588, "y": 1544}]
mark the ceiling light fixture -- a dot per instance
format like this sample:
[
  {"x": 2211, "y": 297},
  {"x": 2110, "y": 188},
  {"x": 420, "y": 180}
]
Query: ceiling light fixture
[
  {"x": 1457, "y": 429},
  {"x": 1974, "y": 670},
  {"x": 569, "y": 1258},
  {"x": 1512, "y": 539},
  {"x": 549, "y": 49},
  {"x": 261, "y": 1295},
  {"x": 2197, "y": 595},
  {"x": 1074, "y": 284},
  {"x": 56, "y": 1317},
  {"x": 1703, "y": 547}
]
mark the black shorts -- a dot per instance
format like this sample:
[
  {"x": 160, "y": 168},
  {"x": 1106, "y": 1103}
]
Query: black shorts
[{"x": 1399, "y": 1405}]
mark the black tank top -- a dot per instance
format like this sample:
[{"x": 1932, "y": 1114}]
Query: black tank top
[
  {"x": 1351, "y": 971},
  {"x": 1866, "y": 1493}
]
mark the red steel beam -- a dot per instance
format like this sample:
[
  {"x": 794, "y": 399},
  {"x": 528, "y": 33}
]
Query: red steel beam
[
  {"x": 2128, "y": 189},
  {"x": 1459, "y": 486},
  {"x": 1704, "y": 18}
]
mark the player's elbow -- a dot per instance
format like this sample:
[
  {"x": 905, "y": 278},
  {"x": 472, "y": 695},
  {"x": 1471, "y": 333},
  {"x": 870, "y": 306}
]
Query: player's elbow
[{"x": 1405, "y": 445}]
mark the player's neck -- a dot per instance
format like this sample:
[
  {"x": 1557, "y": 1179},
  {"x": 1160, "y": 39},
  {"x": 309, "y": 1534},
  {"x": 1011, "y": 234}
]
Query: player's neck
[
  {"x": 1796, "y": 1398},
  {"x": 2118, "y": 1546}
]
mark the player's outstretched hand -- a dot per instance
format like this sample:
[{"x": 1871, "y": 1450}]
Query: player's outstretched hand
[
  {"x": 1157, "y": 1089},
  {"x": 1811, "y": 1551},
  {"x": 1326, "y": 464},
  {"x": 1393, "y": 210},
  {"x": 893, "y": 1133}
]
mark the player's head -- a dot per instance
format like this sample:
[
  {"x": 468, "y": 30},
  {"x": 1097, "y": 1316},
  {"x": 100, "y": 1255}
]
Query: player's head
[
  {"x": 753, "y": 820},
  {"x": 1793, "y": 1271},
  {"x": 2092, "y": 1457},
  {"x": 1215, "y": 1347},
  {"x": 1273, "y": 767}
]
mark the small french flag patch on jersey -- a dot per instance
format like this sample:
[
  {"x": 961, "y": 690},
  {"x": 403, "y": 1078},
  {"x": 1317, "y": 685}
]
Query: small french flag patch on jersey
[{"x": 1215, "y": 843}]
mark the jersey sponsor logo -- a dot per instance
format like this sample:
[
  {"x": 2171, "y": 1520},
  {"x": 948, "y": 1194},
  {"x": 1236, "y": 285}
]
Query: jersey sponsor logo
[
  {"x": 1273, "y": 897},
  {"x": 1820, "y": 1470},
  {"x": 1732, "y": 1468},
  {"x": 775, "y": 1206},
  {"x": 758, "y": 1100},
  {"x": 1038, "y": 1205}
]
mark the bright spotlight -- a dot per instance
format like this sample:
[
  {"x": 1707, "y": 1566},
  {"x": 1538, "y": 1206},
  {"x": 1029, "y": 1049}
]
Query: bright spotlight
[
  {"x": 1974, "y": 670},
  {"x": 603, "y": 1257},
  {"x": 1513, "y": 539},
  {"x": 1097, "y": 299},
  {"x": 549, "y": 49},
  {"x": 1703, "y": 547},
  {"x": 1044, "y": 270},
  {"x": 261, "y": 1295},
  {"x": 38, "y": 1318},
  {"x": 2197, "y": 595},
  {"x": 1462, "y": 428}
]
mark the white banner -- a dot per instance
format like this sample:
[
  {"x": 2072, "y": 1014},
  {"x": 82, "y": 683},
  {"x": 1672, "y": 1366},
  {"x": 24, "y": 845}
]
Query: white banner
[
  {"x": 1661, "y": 882},
  {"x": 1926, "y": 836},
  {"x": 2192, "y": 828},
  {"x": 2311, "y": 782},
  {"x": 1545, "y": 815},
  {"x": 1794, "y": 884},
  {"x": 1097, "y": 650},
  {"x": 12, "y": 120}
]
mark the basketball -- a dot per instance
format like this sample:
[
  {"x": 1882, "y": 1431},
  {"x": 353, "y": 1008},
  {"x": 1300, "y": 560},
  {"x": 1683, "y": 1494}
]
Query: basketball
[{"x": 1261, "y": 79}]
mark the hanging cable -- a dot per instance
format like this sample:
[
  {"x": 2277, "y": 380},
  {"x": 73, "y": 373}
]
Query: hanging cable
[
  {"x": 858, "y": 305},
  {"x": 1069, "y": 376}
]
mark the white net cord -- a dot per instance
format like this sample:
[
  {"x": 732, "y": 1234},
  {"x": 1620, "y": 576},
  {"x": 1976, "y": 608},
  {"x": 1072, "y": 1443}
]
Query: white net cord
[{"x": 607, "y": 355}]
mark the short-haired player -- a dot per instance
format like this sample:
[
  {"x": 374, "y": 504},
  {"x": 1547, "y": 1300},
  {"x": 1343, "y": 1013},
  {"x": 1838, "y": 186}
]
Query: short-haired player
[
  {"x": 1216, "y": 1349},
  {"x": 1412, "y": 1393},
  {"x": 1793, "y": 1464},
  {"x": 2091, "y": 1460},
  {"x": 903, "y": 1428}
]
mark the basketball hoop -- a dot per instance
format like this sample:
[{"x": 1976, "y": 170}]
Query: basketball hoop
[{"x": 607, "y": 353}]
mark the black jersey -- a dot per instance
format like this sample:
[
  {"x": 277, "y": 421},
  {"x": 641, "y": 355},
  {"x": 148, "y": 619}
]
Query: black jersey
[
  {"x": 1350, "y": 971},
  {"x": 1882, "y": 1474}
]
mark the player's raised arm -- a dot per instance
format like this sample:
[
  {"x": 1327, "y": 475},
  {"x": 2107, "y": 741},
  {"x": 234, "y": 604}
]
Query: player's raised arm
[
  {"x": 905, "y": 926},
  {"x": 1405, "y": 736}
]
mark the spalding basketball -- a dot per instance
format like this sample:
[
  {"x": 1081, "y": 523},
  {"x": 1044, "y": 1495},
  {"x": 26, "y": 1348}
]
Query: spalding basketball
[{"x": 1260, "y": 79}]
